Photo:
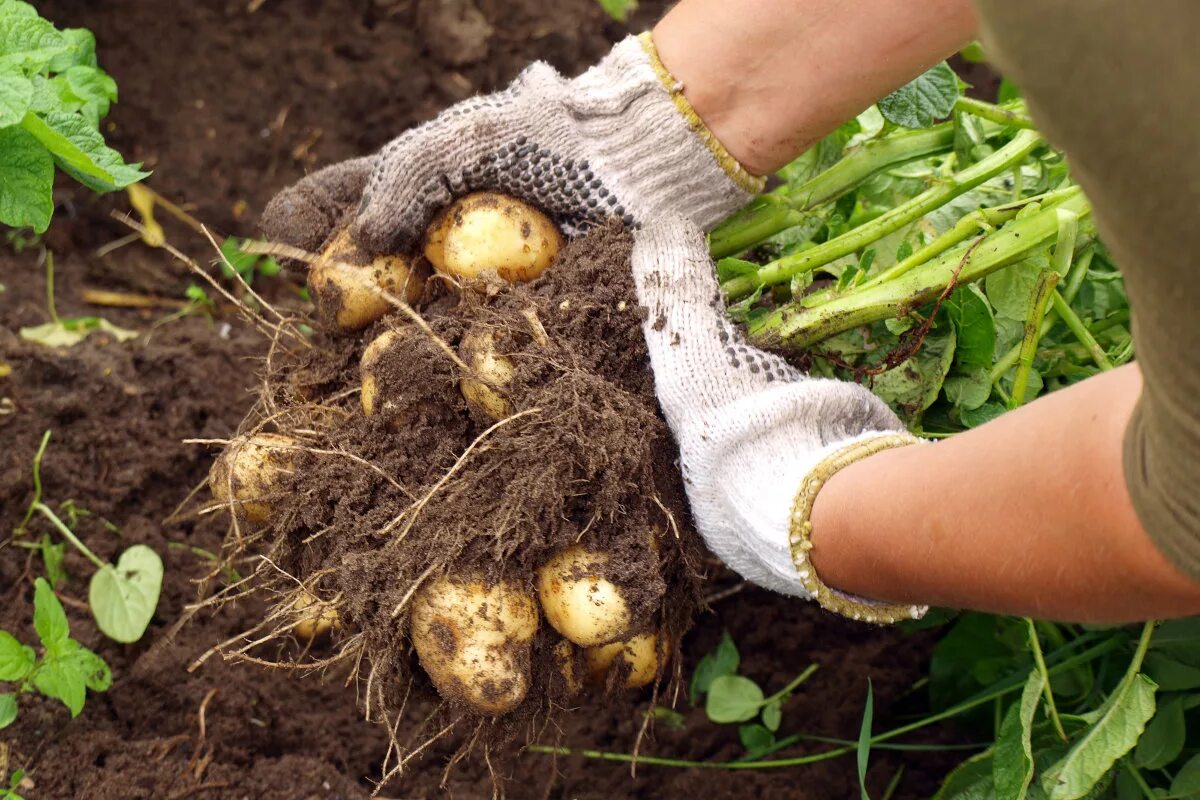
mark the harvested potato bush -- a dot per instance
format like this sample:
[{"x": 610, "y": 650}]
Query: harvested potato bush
[{"x": 482, "y": 499}]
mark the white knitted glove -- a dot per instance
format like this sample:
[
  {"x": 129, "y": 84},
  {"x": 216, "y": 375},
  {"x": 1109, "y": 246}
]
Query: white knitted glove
[
  {"x": 752, "y": 430},
  {"x": 618, "y": 141}
]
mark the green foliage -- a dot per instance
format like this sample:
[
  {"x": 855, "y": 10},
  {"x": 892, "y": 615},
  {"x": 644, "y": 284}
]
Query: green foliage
[
  {"x": 236, "y": 261},
  {"x": 619, "y": 9},
  {"x": 52, "y": 98},
  {"x": 65, "y": 671},
  {"x": 14, "y": 781},
  {"x": 923, "y": 100}
]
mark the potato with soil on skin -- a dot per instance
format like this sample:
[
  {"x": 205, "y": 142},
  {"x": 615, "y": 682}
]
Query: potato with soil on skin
[
  {"x": 487, "y": 231},
  {"x": 246, "y": 474},
  {"x": 579, "y": 601},
  {"x": 640, "y": 653},
  {"x": 344, "y": 283},
  {"x": 493, "y": 373},
  {"x": 474, "y": 641},
  {"x": 317, "y": 622}
]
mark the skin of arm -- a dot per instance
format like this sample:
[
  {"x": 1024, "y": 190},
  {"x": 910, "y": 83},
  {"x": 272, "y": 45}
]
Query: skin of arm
[{"x": 1026, "y": 515}]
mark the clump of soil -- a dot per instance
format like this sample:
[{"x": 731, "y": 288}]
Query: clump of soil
[{"x": 374, "y": 507}]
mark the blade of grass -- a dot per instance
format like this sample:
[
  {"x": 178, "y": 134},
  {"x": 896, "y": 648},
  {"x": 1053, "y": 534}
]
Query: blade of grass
[{"x": 864, "y": 741}]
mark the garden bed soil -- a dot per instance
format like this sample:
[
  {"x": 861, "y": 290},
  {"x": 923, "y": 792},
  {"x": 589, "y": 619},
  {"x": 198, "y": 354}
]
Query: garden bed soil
[{"x": 227, "y": 106}]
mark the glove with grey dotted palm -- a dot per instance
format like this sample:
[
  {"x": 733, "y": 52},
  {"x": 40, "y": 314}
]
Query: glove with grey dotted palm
[
  {"x": 751, "y": 428},
  {"x": 618, "y": 141}
]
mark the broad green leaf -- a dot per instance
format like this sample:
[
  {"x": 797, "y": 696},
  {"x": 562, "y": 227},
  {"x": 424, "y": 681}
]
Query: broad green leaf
[
  {"x": 755, "y": 738},
  {"x": 49, "y": 619},
  {"x": 1010, "y": 289},
  {"x": 772, "y": 716},
  {"x": 26, "y": 181},
  {"x": 985, "y": 413},
  {"x": 1012, "y": 767},
  {"x": 732, "y": 698},
  {"x": 8, "y": 710},
  {"x": 619, "y": 9},
  {"x": 123, "y": 597},
  {"x": 723, "y": 660},
  {"x": 16, "y": 659},
  {"x": 80, "y": 151},
  {"x": 970, "y": 780},
  {"x": 1186, "y": 783},
  {"x": 1171, "y": 675},
  {"x": 80, "y": 52},
  {"x": 63, "y": 681},
  {"x": 1114, "y": 733},
  {"x": 91, "y": 667},
  {"x": 863, "y": 751},
  {"x": 975, "y": 327},
  {"x": 923, "y": 100},
  {"x": 1163, "y": 740},
  {"x": 733, "y": 267},
  {"x": 70, "y": 332},
  {"x": 912, "y": 386},
  {"x": 970, "y": 391},
  {"x": 26, "y": 38},
  {"x": 16, "y": 93},
  {"x": 52, "y": 558},
  {"x": 1179, "y": 639}
]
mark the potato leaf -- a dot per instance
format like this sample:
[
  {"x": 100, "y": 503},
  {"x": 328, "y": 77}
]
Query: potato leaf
[
  {"x": 756, "y": 739},
  {"x": 16, "y": 659},
  {"x": 8, "y": 709},
  {"x": 772, "y": 716},
  {"x": 1186, "y": 783},
  {"x": 923, "y": 100},
  {"x": 49, "y": 619},
  {"x": 123, "y": 597},
  {"x": 26, "y": 181},
  {"x": 1163, "y": 740},
  {"x": 16, "y": 93},
  {"x": 912, "y": 386},
  {"x": 1171, "y": 675},
  {"x": 975, "y": 327},
  {"x": 732, "y": 698},
  {"x": 1115, "y": 731},
  {"x": 970, "y": 780},
  {"x": 619, "y": 9},
  {"x": 1012, "y": 767}
]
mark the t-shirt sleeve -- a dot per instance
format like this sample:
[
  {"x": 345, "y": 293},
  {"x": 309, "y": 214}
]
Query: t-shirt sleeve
[{"x": 1116, "y": 85}]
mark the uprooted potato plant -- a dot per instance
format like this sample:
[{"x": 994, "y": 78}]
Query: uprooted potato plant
[{"x": 462, "y": 479}]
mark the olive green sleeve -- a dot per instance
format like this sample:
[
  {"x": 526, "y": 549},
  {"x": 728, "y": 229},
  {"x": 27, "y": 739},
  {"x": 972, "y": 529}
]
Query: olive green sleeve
[{"x": 1116, "y": 85}]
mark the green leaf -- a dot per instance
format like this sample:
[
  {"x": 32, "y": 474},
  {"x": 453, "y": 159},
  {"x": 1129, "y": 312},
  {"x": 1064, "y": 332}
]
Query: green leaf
[
  {"x": 16, "y": 659},
  {"x": 26, "y": 38},
  {"x": 123, "y": 597},
  {"x": 772, "y": 716},
  {"x": 49, "y": 619},
  {"x": 1012, "y": 768},
  {"x": 723, "y": 660},
  {"x": 91, "y": 667},
  {"x": 63, "y": 681},
  {"x": 1179, "y": 639},
  {"x": 975, "y": 327},
  {"x": 1164, "y": 737},
  {"x": 1114, "y": 733},
  {"x": 52, "y": 558},
  {"x": 970, "y": 780},
  {"x": 26, "y": 181},
  {"x": 619, "y": 9},
  {"x": 70, "y": 332},
  {"x": 1186, "y": 783},
  {"x": 732, "y": 698},
  {"x": 923, "y": 100},
  {"x": 670, "y": 718},
  {"x": 755, "y": 738},
  {"x": 985, "y": 413},
  {"x": 80, "y": 151},
  {"x": 969, "y": 392},
  {"x": 732, "y": 267},
  {"x": 16, "y": 93},
  {"x": 864, "y": 741},
  {"x": 915, "y": 383},
  {"x": 1171, "y": 675},
  {"x": 8, "y": 710},
  {"x": 1010, "y": 289}
]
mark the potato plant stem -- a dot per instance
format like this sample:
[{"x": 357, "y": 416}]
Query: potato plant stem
[
  {"x": 627, "y": 758},
  {"x": 1072, "y": 320},
  {"x": 786, "y": 691},
  {"x": 1047, "y": 280},
  {"x": 784, "y": 269},
  {"x": 770, "y": 214},
  {"x": 798, "y": 326},
  {"x": 1048, "y": 691},
  {"x": 68, "y": 534},
  {"x": 993, "y": 113}
]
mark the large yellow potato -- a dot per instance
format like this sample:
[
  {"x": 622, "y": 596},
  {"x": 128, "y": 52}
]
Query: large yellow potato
[
  {"x": 487, "y": 231},
  {"x": 640, "y": 653},
  {"x": 344, "y": 284},
  {"x": 474, "y": 641},
  {"x": 578, "y": 601},
  {"x": 252, "y": 466},
  {"x": 478, "y": 351}
]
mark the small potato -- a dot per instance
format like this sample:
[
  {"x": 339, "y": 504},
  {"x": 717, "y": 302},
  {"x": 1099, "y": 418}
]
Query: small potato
[
  {"x": 317, "y": 622},
  {"x": 640, "y": 652},
  {"x": 370, "y": 359},
  {"x": 486, "y": 231},
  {"x": 478, "y": 350},
  {"x": 344, "y": 284},
  {"x": 564, "y": 659},
  {"x": 578, "y": 601},
  {"x": 474, "y": 641},
  {"x": 251, "y": 466}
]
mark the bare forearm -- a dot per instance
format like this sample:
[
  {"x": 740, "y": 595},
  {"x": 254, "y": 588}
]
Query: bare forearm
[
  {"x": 770, "y": 77},
  {"x": 1026, "y": 515}
]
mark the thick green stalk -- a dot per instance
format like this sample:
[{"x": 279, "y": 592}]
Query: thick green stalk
[
  {"x": 764, "y": 218},
  {"x": 1068, "y": 315},
  {"x": 1047, "y": 280},
  {"x": 798, "y": 326},
  {"x": 784, "y": 269},
  {"x": 994, "y": 113}
]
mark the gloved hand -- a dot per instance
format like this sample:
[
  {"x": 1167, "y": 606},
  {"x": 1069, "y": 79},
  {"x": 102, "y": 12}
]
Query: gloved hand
[
  {"x": 757, "y": 437},
  {"x": 619, "y": 140}
]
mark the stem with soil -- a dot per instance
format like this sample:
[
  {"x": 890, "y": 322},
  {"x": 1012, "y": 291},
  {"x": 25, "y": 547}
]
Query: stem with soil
[
  {"x": 784, "y": 269},
  {"x": 800, "y": 326},
  {"x": 1047, "y": 280}
]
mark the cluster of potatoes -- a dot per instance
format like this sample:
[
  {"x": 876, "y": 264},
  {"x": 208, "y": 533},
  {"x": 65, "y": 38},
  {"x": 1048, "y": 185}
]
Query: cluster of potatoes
[{"x": 473, "y": 636}]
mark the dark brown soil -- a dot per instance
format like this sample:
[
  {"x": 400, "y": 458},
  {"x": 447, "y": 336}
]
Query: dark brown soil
[{"x": 227, "y": 107}]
